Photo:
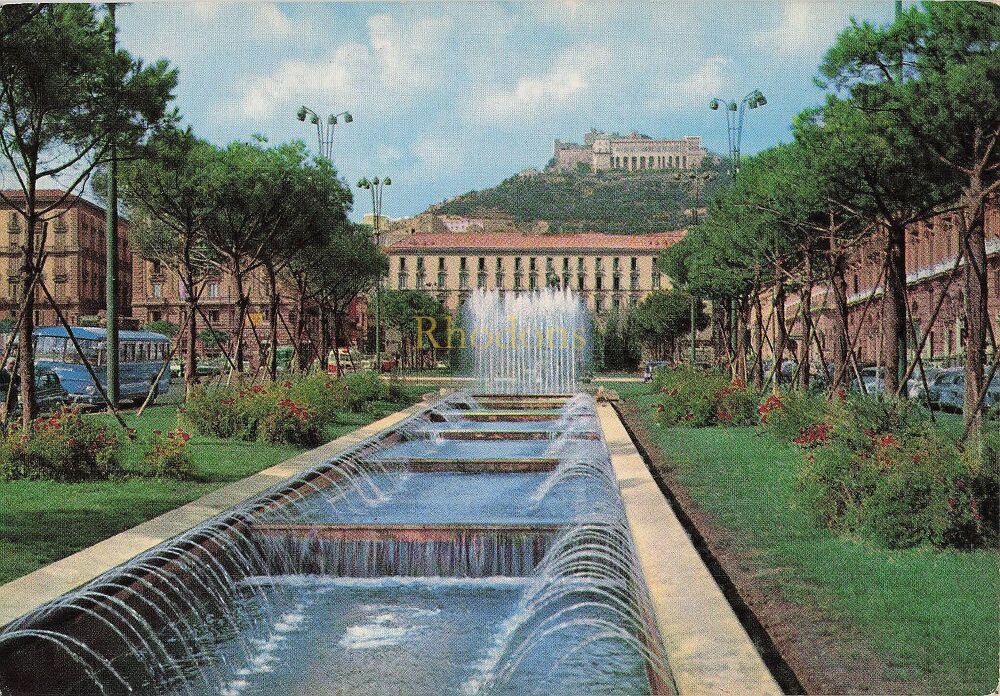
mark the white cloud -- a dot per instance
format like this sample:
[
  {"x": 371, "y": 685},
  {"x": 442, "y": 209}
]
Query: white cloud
[
  {"x": 438, "y": 156},
  {"x": 806, "y": 27},
  {"x": 568, "y": 81},
  {"x": 398, "y": 61},
  {"x": 707, "y": 80}
]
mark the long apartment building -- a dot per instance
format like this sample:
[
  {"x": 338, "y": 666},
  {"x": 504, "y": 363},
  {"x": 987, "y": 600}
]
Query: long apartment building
[
  {"x": 610, "y": 271},
  {"x": 75, "y": 265},
  {"x": 931, "y": 251}
]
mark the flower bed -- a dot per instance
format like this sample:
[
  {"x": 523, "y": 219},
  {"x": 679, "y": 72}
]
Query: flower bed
[
  {"x": 294, "y": 411},
  {"x": 700, "y": 398},
  {"x": 61, "y": 447}
]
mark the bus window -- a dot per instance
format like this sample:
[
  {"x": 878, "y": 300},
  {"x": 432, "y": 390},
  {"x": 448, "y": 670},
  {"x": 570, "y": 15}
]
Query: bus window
[
  {"x": 88, "y": 347},
  {"x": 140, "y": 353},
  {"x": 50, "y": 348}
]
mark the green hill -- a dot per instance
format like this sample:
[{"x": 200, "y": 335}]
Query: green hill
[{"x": 608, "y": 201}]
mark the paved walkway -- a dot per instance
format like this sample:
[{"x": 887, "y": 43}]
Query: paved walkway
[{"x": 708, "y": 650}]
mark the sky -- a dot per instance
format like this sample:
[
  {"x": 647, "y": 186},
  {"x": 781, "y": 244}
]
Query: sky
[{"x": 449, "y": 97}]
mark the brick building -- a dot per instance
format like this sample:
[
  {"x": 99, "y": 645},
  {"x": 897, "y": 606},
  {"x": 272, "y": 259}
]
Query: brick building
[
  {"x": 159, "y": 295},
  {"x": 75, "y": 268},
  {"x": 931, "y": 251},
  {"x": 610, "y": 271}
]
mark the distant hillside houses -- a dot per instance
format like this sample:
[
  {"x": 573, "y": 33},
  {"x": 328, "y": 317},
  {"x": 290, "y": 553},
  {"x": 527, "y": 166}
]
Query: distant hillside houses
[{"x": 633, "y": 152}]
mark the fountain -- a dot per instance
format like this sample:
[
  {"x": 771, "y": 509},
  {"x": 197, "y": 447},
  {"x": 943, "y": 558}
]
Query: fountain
[{"x": 479, "y": 547}]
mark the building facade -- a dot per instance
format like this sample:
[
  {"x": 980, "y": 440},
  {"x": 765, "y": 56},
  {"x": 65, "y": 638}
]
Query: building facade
[
  {"x": 609, "y": 271},
  {"x": 75, "y": 267},
  {"x": 932, "y": 247},
  {"x": 159, "y": 295},
  {"x": 632, "y": 152}
]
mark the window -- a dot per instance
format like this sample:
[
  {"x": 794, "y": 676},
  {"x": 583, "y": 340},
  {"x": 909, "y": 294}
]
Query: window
[
  {"x": 635, "y": 264},
  {"x": 213, "y": 315},
  {"x": 213, "y": 290},
  {"x": 517, "y": 264},
  {"x": 579, "y": 263},
  {"x": 565, "y": 264},
  {"x": 482, "y": 264},
  {"x": 657, "y": 279},
  {"x": 157, "y": 267},
  {"x": 50, "y": 348},
  {"x": 440, "y": 263},
  {"x": 599, "y": 282},
  {"x": 599, "y": 303},
  {"x": 462, "y": 266},
  {"x": 157, "y": 289}
]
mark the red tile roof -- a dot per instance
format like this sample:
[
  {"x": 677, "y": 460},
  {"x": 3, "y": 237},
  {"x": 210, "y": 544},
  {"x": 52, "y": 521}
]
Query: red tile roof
[{"x": 581, "y": 241}]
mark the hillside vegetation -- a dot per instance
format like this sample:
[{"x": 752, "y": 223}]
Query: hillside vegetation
[{"x": 644, "y": 201}]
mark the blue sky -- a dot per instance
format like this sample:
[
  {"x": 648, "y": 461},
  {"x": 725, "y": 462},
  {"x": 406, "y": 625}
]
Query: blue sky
[{"x": 453, "y": 96}]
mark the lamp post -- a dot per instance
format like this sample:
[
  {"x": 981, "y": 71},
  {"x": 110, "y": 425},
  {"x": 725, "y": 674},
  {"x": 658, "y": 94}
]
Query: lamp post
[
  {"x": 375, "y": 186},
  {"x": 324, "y": 129},
  {"x": 734, "y": 133}
]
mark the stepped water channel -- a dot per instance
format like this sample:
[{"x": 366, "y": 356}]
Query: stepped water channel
[{"x": 480, "y": 547}]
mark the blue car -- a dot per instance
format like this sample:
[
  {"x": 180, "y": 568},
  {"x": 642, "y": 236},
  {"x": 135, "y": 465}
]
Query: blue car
[{"x": 142, "y": 355}]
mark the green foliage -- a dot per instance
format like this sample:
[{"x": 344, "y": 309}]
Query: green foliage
[
  {"x": 168, "y": 456},
  {"x": 697, "y": 398},
  {"x": 291, "y": 423},
  {"x": 214, "y": 411},
  {"x": 880, "y": 470},
  {"x": 789, "y": 414},
  {"x": 213, "y": 338},
  {"x": 665, "y": 316},
  {"x": 162, "y": 326},
  {"x": 619, "y": 344},
  {"x": 648, "y": 201},
  {"x": 62, "y": 447},
  {"x": 361, "y": 389}
]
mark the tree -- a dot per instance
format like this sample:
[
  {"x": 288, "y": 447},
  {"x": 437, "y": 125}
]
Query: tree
[
  {"x": 334, "y": 275},
  {"x": 663, "y": 318},
  {"x": 168, "y": 194},
  {"x": 401, "y": 310},
  {"x": 63, "y": 93},
  {"x": 213, "y": 338},
  {"x": 618, "y": 343},
  {"x": 162, "y": 326},
  {"x": 946, "y": 96},
  {"x": 879, "y": 168}
]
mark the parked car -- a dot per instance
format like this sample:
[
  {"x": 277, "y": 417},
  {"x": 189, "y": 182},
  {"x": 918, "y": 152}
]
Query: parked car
[
  {"x": 49, "y": 391},
  {"x": 915, "y": 384},
  {"x": 948, "y": 392},
  {"x": 651, "y": 367},
  {"x": 936, "y": 378},
  {"x": 873, "y": 379}
]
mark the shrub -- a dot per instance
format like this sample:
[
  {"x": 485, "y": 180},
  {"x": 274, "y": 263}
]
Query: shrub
[
  {"x": 168, "y": 456},
  {"x": 359, "y": 390},
  {"x": 216, "y": 411},
  {"x": 291, "y": 423},
  {"x": 395, "y": 391},
  {"x": 319, "y": 393},
  {"x": 881, "y": 470},
  {"x": 788, "y": 414},
  {"x": 62, "y": 447},
  {"x": 700, "y": 398}
]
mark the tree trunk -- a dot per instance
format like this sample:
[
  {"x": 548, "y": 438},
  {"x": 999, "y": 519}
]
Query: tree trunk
[
  {"x": 781, "y": 330},
  {"x": 274, "y": 302},
  {"x": 757, "y": 373},
  {"x": 806, "y": 307},
  {"x": 976, "y": 315},
  {"x": 190, "y": 357},
  {"x": 300, "y": 323},
  {"x": 894, "y": 340},
  {"x": 337, "y": 318},
  {"x": 740, "y": 363},
  {"x": 242, "y": 306},
  {"x": 841, "y": 340},
  {"x": 26, "y": 345}
]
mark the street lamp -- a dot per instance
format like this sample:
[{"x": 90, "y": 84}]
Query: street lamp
[
  {"x": 734, "y": 134},
  {"x": 375, "y": 186},
  {"x": 324, "y": 130}
]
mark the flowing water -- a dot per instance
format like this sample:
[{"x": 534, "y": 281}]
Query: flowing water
[{"x": 474, "y": 552}]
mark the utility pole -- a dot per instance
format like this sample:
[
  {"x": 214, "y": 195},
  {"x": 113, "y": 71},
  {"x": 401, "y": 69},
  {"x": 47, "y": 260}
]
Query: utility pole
[
  {"x": 111, "y": 283},
  {"x": 375, "y": 186}
]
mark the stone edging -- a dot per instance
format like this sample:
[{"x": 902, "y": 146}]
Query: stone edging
[
  {"x": 708, "y": 650},
  {"x": 30, "y": 591}
]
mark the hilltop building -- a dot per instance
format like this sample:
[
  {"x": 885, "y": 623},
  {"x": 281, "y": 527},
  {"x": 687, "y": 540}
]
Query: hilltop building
[{"x": 632, "y": 152}]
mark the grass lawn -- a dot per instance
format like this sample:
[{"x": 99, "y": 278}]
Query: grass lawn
[
  {"x": 43, "y": 521},
  {"x": 930, "y": 616}
]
